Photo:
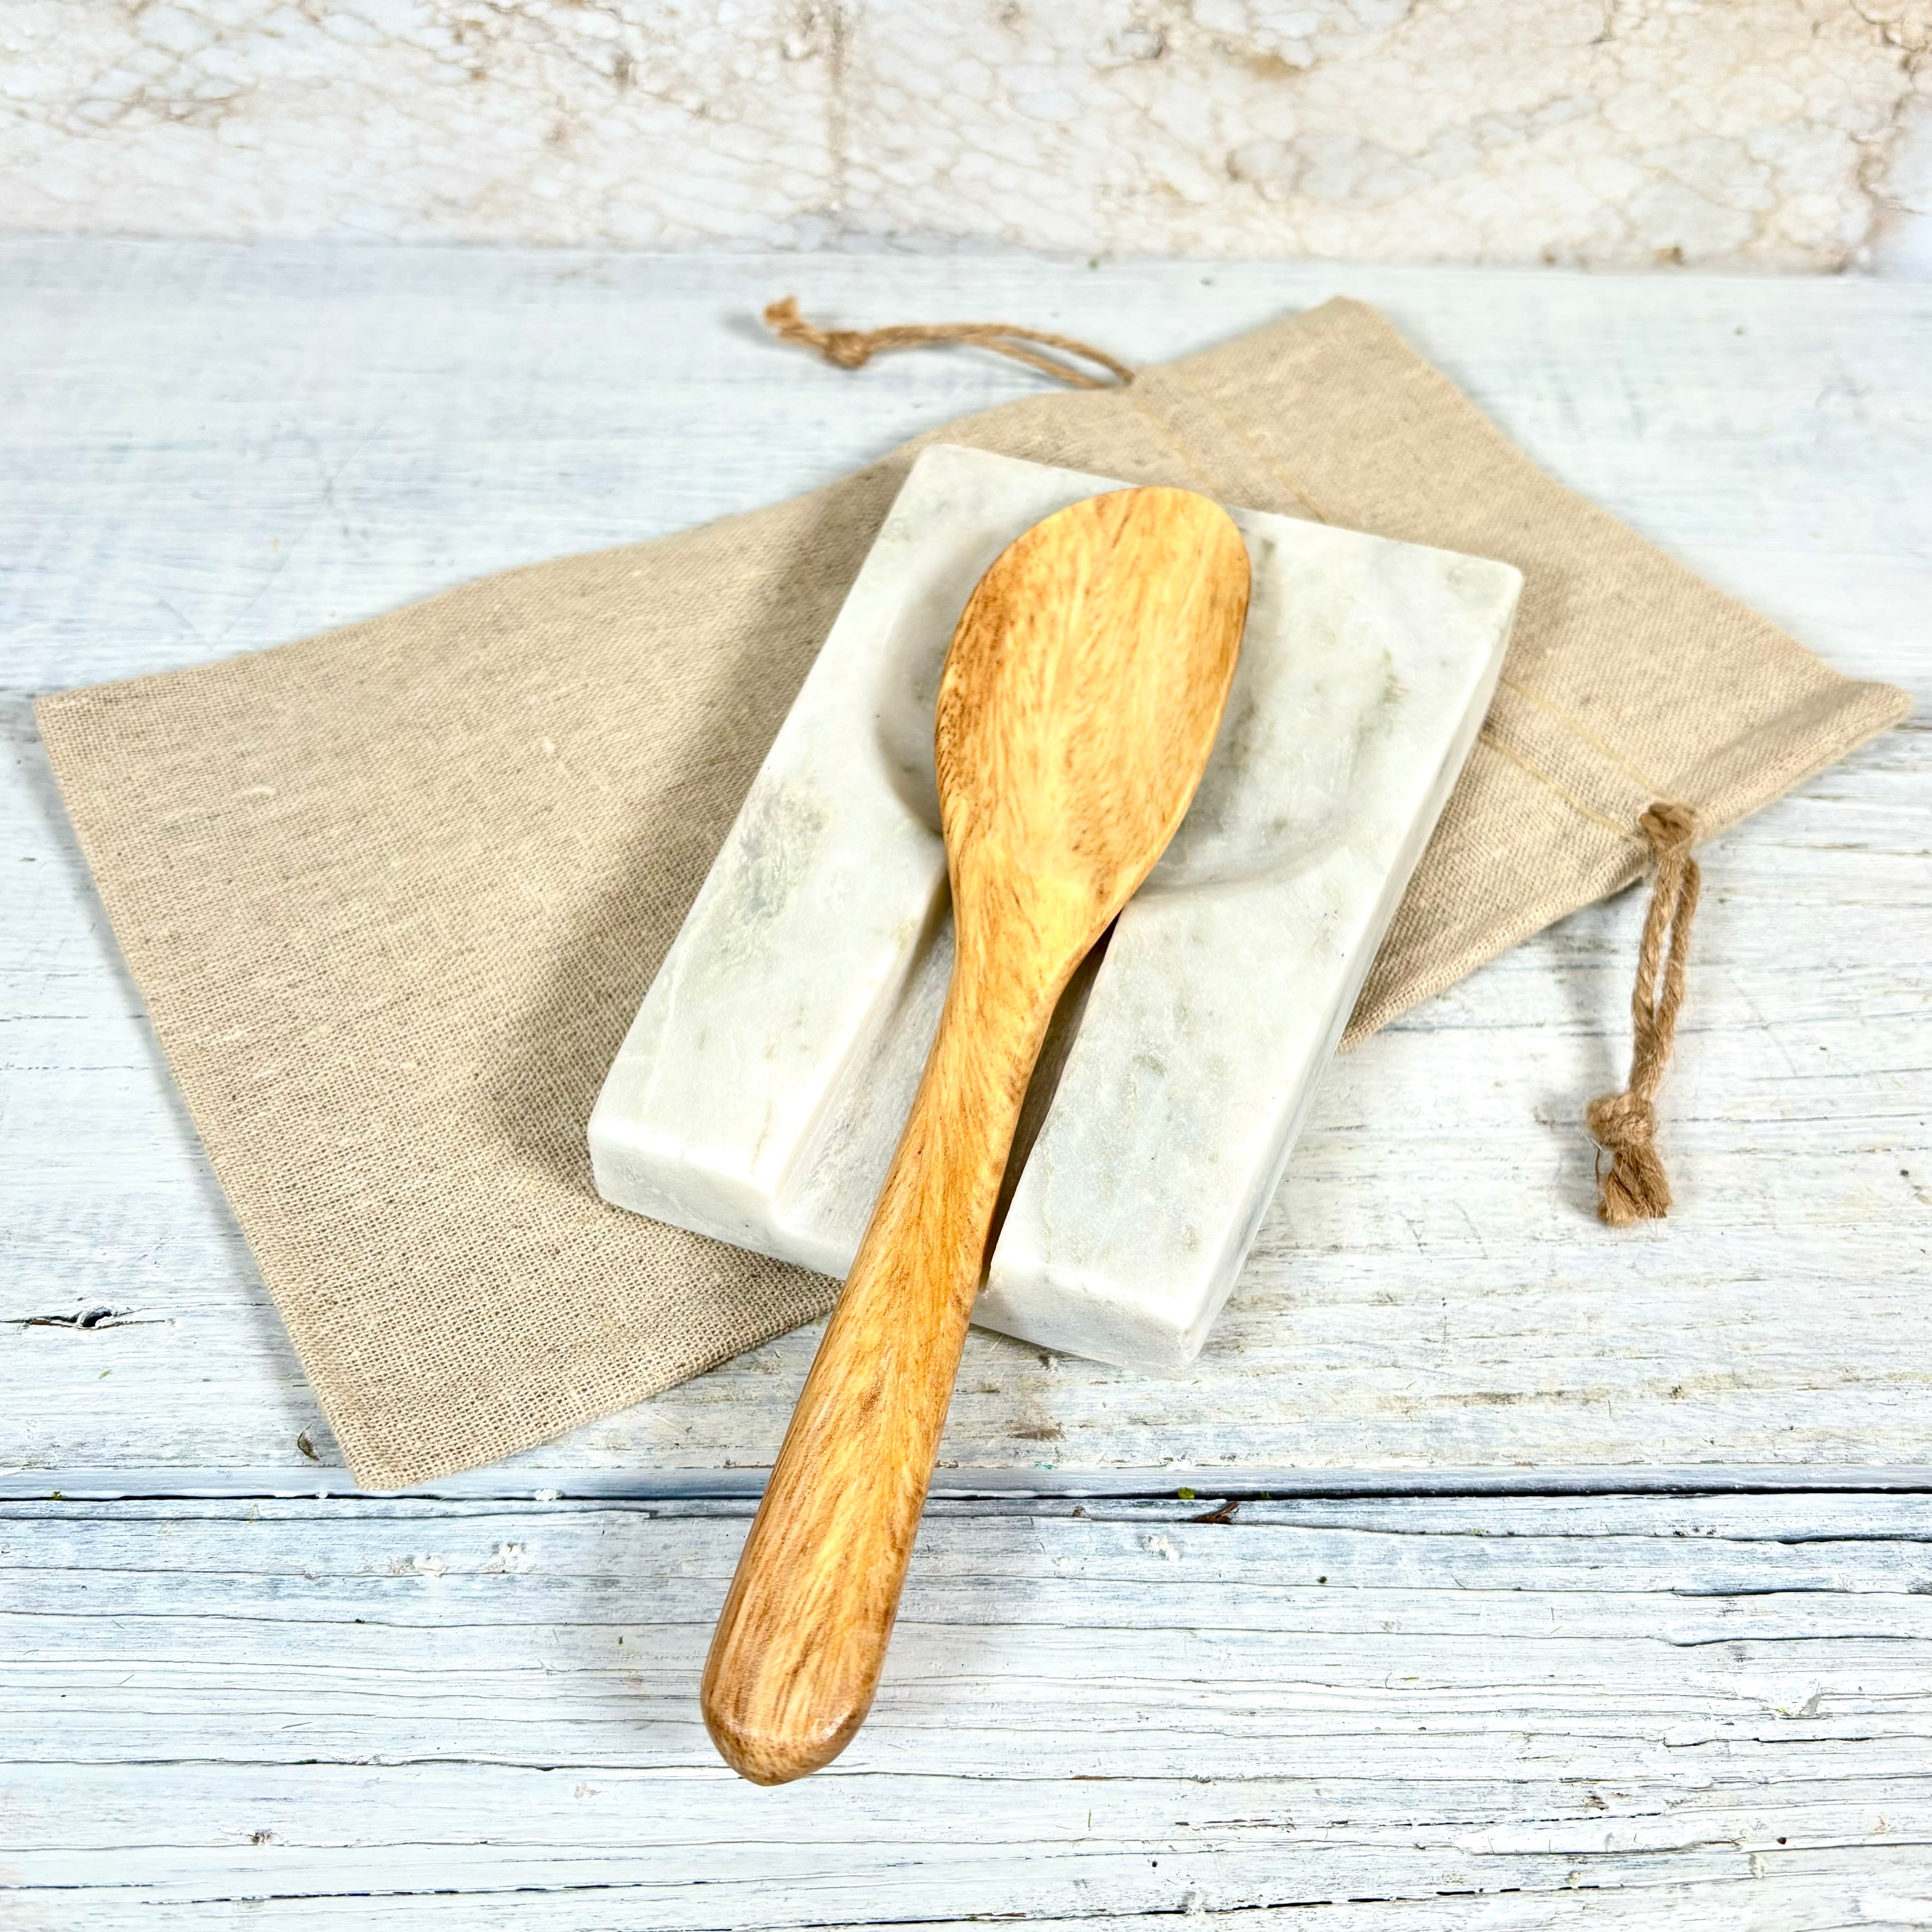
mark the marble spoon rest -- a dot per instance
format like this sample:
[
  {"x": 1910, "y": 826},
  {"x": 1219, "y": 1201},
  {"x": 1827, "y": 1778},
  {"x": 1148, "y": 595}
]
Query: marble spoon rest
[{"x": 760, "y": 1092}]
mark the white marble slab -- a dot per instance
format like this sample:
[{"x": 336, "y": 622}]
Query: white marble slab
[{"x": 760, "y": 1091}]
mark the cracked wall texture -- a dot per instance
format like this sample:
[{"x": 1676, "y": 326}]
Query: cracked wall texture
[{"x": 1773, "y": 133}]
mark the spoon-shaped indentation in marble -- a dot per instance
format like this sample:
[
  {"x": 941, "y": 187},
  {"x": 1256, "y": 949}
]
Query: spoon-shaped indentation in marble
[
  {"x": 1079, "y": 703},
  {"x": 1278, "y": 787}
]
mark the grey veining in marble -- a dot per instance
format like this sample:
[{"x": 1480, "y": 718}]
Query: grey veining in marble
[{"x": 760, "y": 1091}]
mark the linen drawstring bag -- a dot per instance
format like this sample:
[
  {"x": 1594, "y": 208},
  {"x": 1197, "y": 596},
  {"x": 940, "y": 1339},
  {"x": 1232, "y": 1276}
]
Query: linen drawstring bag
[{"x": 392, "y": 894}]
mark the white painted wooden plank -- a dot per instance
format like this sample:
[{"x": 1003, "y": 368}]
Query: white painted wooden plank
[
  {"x": 1795, "y": 1891},
  {"x": 216, "y": 448},
  {"x": 1798, "y": 1891},
  {"x": 324, "y": 1710}
]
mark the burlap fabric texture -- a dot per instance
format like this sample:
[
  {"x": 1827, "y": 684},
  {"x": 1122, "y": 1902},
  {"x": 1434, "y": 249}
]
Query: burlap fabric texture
[{"x": 393, "y": 894}]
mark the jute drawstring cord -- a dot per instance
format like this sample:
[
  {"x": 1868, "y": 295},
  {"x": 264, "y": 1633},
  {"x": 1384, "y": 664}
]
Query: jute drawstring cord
[
  {"x": 853, "y": 348},
  {"x": 1634, "y": 1187}
]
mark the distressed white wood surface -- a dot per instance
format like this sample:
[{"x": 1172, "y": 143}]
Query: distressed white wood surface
[
  {"x": 211, "y": 449},
  {"x": 1613, "y": 1711}
]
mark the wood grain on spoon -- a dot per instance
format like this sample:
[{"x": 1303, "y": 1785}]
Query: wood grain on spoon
[{"x": 1080, "y": 701}]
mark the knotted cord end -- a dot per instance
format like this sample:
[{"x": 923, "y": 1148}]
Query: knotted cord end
[
  {"x": 1635, "y": 1187},
  {"x": 845, "y": 348}
]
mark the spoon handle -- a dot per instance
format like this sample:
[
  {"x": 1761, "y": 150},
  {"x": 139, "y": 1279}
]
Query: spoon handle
[{"x": 803, "y": 1634}]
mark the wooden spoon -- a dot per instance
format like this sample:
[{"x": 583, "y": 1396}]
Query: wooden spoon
[{"x": 1079, "y": 703}]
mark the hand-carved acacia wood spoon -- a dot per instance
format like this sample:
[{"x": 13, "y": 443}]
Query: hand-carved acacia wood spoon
[{"x": 1079, "y": 703}]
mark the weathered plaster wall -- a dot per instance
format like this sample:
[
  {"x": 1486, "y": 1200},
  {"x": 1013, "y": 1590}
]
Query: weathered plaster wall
[{"x": 1775, "y": 133}]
